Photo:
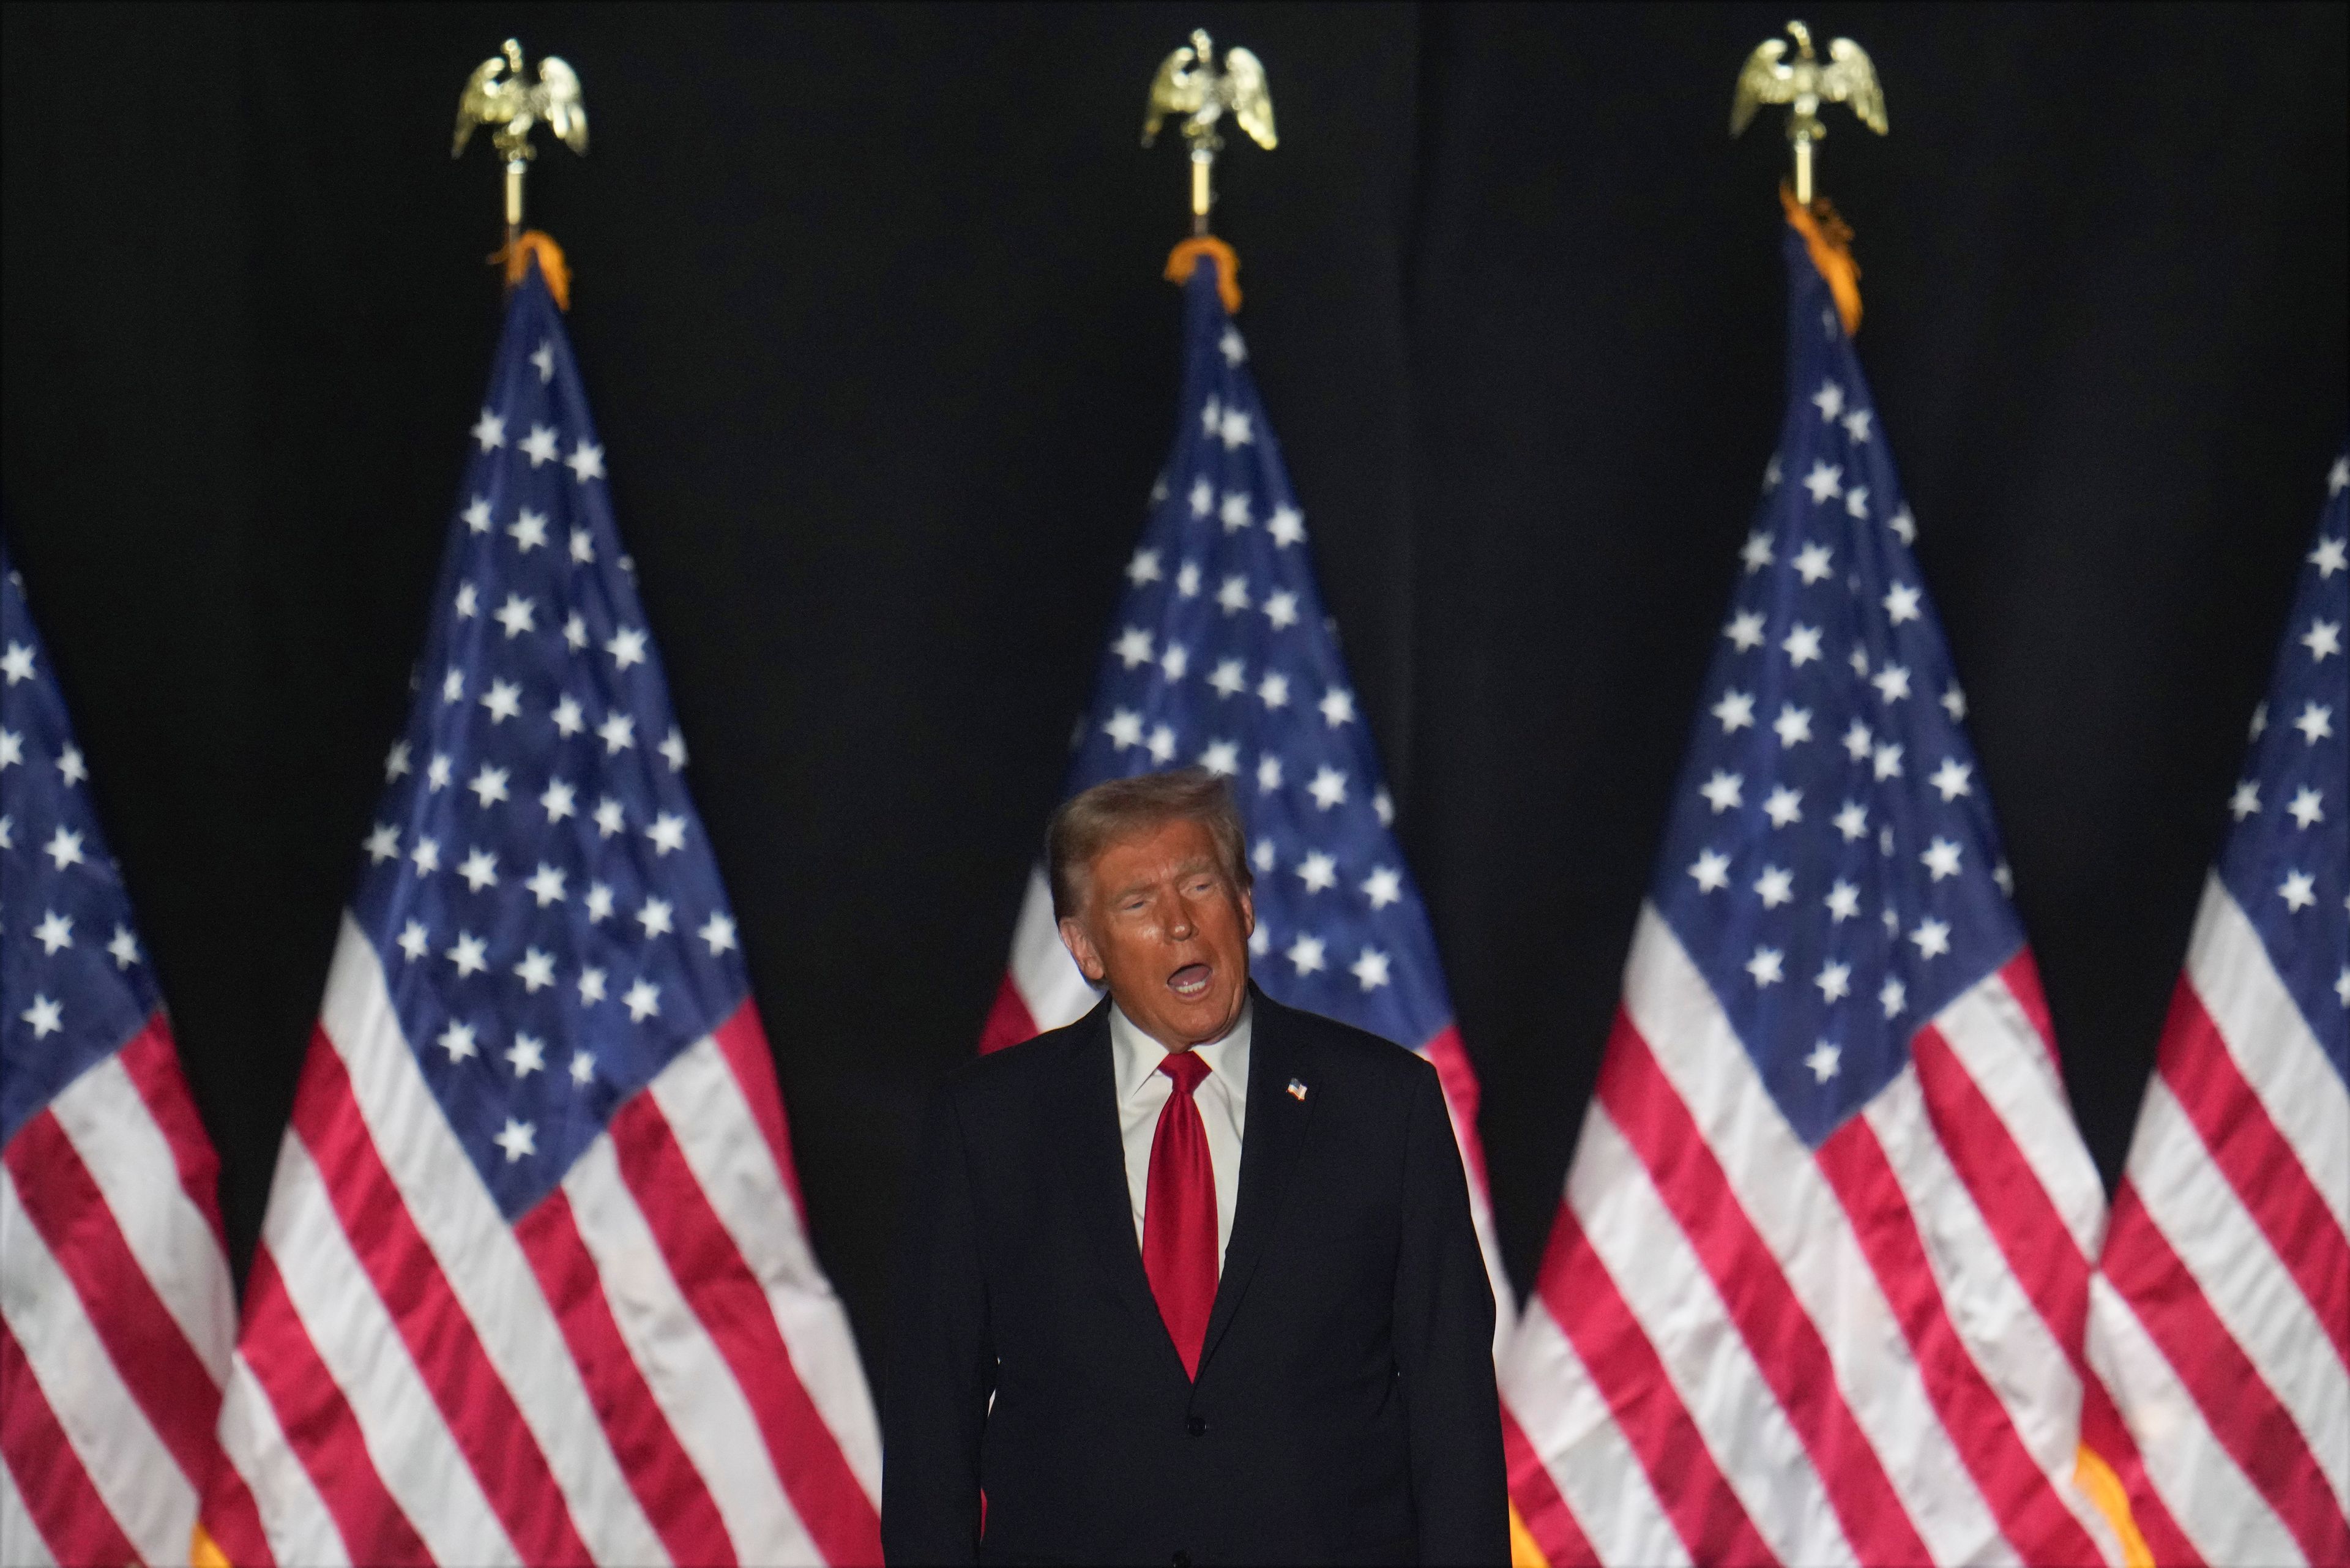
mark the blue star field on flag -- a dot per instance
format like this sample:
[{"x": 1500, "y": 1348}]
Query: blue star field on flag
[
  {"x": 537, "y": 885},
  {"x": 76, "y": 982},
  {"x": 1830, "y": 860},
  {"x": 2287, "y": 860},
  {"x": 1221, "y": 655}
]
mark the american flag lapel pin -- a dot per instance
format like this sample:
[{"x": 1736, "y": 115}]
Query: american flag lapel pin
[{"x": 1297, "y": 1089}]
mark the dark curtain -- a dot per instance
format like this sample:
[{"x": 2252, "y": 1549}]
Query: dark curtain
[{"x": 867, "y": 302}]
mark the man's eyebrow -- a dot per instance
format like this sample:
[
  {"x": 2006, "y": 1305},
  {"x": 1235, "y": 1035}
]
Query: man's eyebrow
[{"x": 1187, "y": 869}]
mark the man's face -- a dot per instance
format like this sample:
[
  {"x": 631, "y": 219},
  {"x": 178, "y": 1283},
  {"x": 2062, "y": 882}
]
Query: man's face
[{"x": 1166, "y": 931}]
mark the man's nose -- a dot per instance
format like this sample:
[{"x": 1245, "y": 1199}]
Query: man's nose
[{"x": 1178, "y": 922}]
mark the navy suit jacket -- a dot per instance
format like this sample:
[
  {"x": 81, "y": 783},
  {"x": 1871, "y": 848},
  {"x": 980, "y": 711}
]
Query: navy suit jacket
[{"x": 1345, "y": 1410}]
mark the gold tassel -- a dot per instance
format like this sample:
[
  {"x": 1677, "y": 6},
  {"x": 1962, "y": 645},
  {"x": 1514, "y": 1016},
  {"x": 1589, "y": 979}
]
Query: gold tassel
[
  {"x": 205, "y": 1552},
  {"x": 517, "y": 253},
  {"x": 2109, "y": 1497},
  {"x": 1185, "y": 258},
  {"x": 1829, "y": 239},
  {"x": 1523, "y": 1552}
]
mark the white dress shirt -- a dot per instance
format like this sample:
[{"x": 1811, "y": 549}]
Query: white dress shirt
[{"x": 1222, "y": 1099}]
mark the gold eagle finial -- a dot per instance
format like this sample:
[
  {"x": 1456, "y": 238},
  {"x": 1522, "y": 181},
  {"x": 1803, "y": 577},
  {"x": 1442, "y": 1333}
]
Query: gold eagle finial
[
  {"x": 1804, "y": 83},
  {"x": 498, "y": 95},
  {"x": 1189, "y": 84}
]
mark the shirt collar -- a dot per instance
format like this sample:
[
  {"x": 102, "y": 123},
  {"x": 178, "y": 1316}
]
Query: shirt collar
[{"x": 1138, "y": 1056}]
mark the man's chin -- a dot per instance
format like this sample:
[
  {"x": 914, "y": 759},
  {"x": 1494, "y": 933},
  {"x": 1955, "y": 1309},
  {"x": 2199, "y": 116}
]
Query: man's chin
[{"x": 1204, "y": 1020}]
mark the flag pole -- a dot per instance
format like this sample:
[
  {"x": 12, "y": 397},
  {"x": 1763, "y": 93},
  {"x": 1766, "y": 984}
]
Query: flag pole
[
  {"x": 496, "y": 95},
  {"x": 1847, "y": 76}
]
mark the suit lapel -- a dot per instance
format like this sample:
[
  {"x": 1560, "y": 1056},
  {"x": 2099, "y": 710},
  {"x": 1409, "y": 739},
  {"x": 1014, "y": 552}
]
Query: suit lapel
[
  {"x": 1270, "y": 1140},
  {"x": 1094, "y": 1155}
]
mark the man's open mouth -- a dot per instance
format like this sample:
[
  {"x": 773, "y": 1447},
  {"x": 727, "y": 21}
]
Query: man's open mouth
[{"x": 1191, "y": 981}]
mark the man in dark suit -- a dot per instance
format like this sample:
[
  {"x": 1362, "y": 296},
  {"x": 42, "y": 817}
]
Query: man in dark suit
[{"x": 1192, "y": 1279}]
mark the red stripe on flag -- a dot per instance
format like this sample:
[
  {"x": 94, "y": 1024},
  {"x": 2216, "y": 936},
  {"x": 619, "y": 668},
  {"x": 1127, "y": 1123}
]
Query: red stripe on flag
[
  {"x": 1786, "y": 1346},
  {"x": 2242, "y": 1412},
  {"x": 2023, "y": 1217},
  {"x": 1581, "y": 1295},
  {"x": 73, "y": 1519},
  {"x": 2032, "y": 1516},
  {"x": 1539, "y": 1507},
  {"x": 658, "y": 1472},
  {"x": 743, "y": 1044},
  {"x": 2020, "y": 975},
  {"x": 1458, "y": 1077},
  {"x": 731, "y": 1304},
  {"x": 145, "y": 1342},
  {"x": 318, "y": 1424},
  {"x": 152, "y": 1063},
  {"x": 2262, "y": 1167},
  {"x": 474, "y": 1400},
  {"x": 1008, "y": 1021}
]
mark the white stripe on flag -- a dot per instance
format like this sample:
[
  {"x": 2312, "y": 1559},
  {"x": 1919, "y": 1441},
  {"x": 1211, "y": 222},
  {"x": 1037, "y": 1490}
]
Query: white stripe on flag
[
  {"x": 689, "y": 1378},
  {"x": 411, "y": 1447},
  {"x": 2259, "y": 1303},
  {"x": 126, "y": 1460},
  {"x": 106, "y": 1119},
  {"x": 2218, "y": 1509},
  {"x": 2271, "y": 1042},
  {"x": 1799, "y": 1217},
  {"x": 1666, "y": 1286},
  {"x": 478, "y": 1255},
  {"x": 1997, "y": 1042},
  {"x": 294, "y": 1517},
  {"x": 1573, "y": 1432},
  {"x": 1042, "y": 972},
  {"x": 20, "y": 1539},
  {"x": 731, "y": 1161}
]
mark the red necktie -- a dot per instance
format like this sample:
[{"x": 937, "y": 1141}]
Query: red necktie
[{"x": 1179, "y": 1214}]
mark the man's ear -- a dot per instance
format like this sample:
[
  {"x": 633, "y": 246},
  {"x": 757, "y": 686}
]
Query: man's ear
[
  {"x": 1248, "y": 912},
  {"x": 1081, "y": 948}
]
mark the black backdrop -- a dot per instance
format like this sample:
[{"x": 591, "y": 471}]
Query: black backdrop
[{"x": 867, "y": 303}]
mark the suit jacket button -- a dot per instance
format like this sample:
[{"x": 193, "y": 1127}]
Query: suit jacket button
[
  {"x": 1194, "y": 1426},
  {"x": 1181, "y": 1560}
]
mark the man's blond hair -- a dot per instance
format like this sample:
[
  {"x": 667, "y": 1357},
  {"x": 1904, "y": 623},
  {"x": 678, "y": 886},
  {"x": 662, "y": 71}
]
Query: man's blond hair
[{"x": 1090, "y": 822}]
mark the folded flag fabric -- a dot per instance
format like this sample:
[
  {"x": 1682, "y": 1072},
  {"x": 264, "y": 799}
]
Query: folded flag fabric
[
  {"x": 1815, "y": 1291},
  {"x": 116, "y": 1314},
  {"x": 2222, "y": 1316},
  {"x": 535, "y": 1282}
]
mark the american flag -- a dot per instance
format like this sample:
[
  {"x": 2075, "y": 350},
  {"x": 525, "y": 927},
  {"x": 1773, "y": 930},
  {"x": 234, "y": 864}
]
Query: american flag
[
  {"x": 535, "y": 1282},
  {"x": 1222, "y": 656},
  {"x": 115, "y": 1310},
  {"x": 1815, "y": 1291},
  {"x": 2222, "y": 1314}
]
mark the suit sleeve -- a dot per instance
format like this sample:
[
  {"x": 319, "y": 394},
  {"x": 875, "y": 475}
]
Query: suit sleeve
[
  {"x": 1445, "y": 1349},
  {"x": 941, "y": 1364}
]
